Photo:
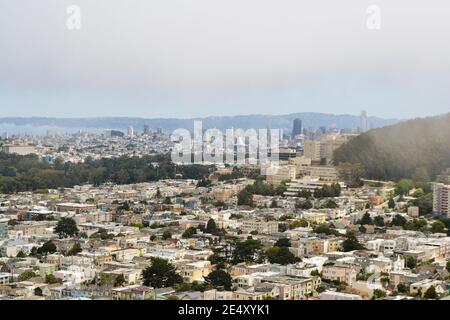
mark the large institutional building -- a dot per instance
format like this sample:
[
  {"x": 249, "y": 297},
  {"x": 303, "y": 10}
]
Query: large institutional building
[{"x": 20, "y": 150}]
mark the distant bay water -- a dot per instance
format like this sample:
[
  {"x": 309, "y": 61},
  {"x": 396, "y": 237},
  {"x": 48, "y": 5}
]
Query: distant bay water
[{"x": 12, "y": 129}]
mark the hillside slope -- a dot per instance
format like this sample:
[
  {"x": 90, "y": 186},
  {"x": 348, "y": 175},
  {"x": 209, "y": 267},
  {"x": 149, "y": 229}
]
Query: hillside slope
[{"x": 396, "y": 151}]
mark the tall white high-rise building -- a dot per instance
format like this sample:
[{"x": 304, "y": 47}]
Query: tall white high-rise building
[
  {"x": 131, "y": 131},
  {"x": 364, "y": 124},
  {"x": 441, "y": 199}
]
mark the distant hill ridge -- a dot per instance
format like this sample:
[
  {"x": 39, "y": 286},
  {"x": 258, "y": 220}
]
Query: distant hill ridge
[
  {"x": 309, "y": 119},
  {"x": 396, "y": 151}
]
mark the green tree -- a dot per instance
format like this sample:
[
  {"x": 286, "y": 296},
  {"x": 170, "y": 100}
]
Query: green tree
[
  {"x": 51, "y": 279},
  {"x": 47, "y": 247},
  {"x": 66, "y": 227},
  {"x": 245, "y": 198},
  {"x": 304, "y": 194},
  {"x": 330, "y": 204},
  {"x": 323, "y": 228},
  {"x": 204, "y": 183},
  {"x": 83, "y": 235},
  {"x": 438, "y": 227},
  {"x": 219, "y": 278},
  {"x": 425, "y": 203},
  {"x": 281, "y": 255},
  {"x": 418, "y": 193},
  {"x": 431, "y": 293},
  {"x": 379, "y": 221},
  {"x": 304, "y": 205},
  {"x": 403, "y": 187},
  {"x": 119, "y": 281},
  {"x": 421, "y": 178},
  {"x": 249, "y": 250},
  {"x": 402, "y": 288},
  {"x": 366, "y": 219},
  {"x": 160, "y": 274},
  {"x": 411, "y": 262},
  {"x": 378, "y": 293},
  {"x": 211, "y": 226},
  {"x": 283, "y": 242},
  {"x": 274, "y": 204},
  {"x": 391, "y": 203},
  {"x": 24, "y": 276},
  {"x": 21, "y": 254},
  {"x": 417, "y": 225},
  {"x": 398, "y": 220},
  {"x": 302, "y": 223},
  {"x": 76, "y": 248},
  {"x": 166, "y": 235},
  {"x": 351, "y": 173},
  {"x": 189, "y": 232},
  {"x": 351, "y": 243}
]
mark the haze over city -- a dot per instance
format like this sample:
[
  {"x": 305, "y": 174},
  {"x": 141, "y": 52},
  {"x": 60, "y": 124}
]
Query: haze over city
[{"x": 224, "y": 156}]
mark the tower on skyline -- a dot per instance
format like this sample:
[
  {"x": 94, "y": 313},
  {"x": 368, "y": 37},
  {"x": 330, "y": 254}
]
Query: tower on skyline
[
  {"x": 364, "y": 125},
  {"x": 297, "y": 128}
]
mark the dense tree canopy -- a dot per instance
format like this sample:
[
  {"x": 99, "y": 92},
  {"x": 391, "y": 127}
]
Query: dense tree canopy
[
  {"x": 249, "y": 250},
  {"x": 351, "y": 243},
  {"x": 281, "y": 255},
  {"x": 27, "y": 173},
  {"x": 219, "y": 279},
  {"x": 66, "y": 227},
  {"x": 161, "y": 274},
  {"x": 417, "y": 149}
]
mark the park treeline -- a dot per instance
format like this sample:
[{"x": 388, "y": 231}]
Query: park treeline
[
  {"x": 29, "y": 173},
  {"x": 396, "y": 152}
]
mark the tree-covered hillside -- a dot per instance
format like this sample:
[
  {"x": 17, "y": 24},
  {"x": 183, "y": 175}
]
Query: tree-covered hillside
[
  {"x": 27, "y": 173},
  {"x": 397, "y": 151}
]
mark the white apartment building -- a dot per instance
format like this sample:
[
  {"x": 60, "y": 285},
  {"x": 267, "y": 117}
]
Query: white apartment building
[{"x": 441, "y": 199}]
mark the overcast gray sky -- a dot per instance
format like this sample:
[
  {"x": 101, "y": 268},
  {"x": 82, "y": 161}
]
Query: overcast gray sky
[{"x": 188, "y": 58}]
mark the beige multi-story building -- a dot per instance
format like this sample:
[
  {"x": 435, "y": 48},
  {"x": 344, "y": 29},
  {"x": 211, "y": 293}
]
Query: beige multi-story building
[
  {"x": 277, "y": 175},
  {"x": 315, "y": 217},
  {"x": 413, "y": 212},
  {"x": 326, "y": 173},
  {"x": 95, "y": 217},
  {"x": 441, "y": 199},
  {"x": 324, "y": 148},
  {"x": 260, "y": 292},
  {"x": 306, "y": 183},
  {"x": 195, "y": 271},
  {"x": 331, "y": 142},
  {"x": 18, "y": 149},
  {"x": 295, "y": 288},
  {"x": 76, "y": 207},
  {"x": 262, "y": 227},
  {"x": 221, "y": 194},
  {"x": 311, "y": 150},
  {"x": 245, "y": 269},
  {"x": 340, "y": 273}
]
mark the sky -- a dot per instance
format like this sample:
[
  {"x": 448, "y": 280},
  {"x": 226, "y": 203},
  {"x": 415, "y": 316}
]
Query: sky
[{"x": 197, "y": 58}]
